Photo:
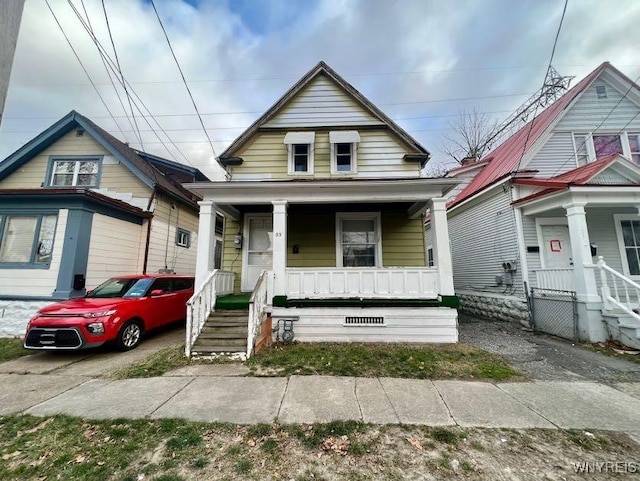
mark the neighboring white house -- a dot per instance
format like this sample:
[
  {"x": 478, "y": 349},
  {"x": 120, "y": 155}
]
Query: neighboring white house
[
  {"x": 543, "y": 207},
  {"x": 324, "y": 208},
  {"x": 78, "y": 206}
]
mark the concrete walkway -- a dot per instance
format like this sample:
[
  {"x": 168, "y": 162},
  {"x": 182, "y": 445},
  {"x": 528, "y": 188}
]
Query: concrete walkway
[{"x": 199, "y": 396}]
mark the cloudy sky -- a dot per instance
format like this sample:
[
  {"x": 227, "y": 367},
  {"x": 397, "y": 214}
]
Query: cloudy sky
[{"x": 421, "y": 61}]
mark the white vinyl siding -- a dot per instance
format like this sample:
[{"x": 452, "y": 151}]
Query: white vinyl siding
[
  {"x": 163, "y": 250},
  {"x": 555, "y": 157},
  {"x": 322, "y": 103},
  {"x": 109, "y": 236},
  {"x": 482, "y": 238},
  {"x": 23, "y": 282}
]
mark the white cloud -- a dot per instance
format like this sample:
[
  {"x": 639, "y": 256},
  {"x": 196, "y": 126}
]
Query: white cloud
[{"x": 403, "y": 55}]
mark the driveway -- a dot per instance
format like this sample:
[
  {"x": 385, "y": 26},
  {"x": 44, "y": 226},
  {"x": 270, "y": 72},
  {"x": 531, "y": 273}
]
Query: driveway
[
  {"x": 94, "y": 362},
  {"x": 545, "y": 357}
]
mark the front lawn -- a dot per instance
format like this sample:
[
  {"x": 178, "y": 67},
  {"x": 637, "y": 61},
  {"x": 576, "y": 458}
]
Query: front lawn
[
  {"x": 428, "y": 361},
  {"x": 11, "y": 348}
]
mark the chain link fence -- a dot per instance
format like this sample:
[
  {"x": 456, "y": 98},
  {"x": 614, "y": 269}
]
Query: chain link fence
[{"x": 554, "y": 312}]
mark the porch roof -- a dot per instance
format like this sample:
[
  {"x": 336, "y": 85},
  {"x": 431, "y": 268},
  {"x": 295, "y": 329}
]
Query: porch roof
[{"x": 415, "y": 190}]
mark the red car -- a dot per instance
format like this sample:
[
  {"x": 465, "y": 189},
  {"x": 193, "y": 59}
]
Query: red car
[{"x": 118, "y": 310}]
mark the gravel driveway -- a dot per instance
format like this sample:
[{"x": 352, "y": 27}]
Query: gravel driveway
[{"x": 545, "y": 357}]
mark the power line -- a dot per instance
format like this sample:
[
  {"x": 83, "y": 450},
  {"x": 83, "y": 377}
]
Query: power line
[
  {"x": 82, "y": 65},
  {"x": 549, "y": 70},
  {"x": 124, "y": 85},
  {"x": 182, "y": 75}
]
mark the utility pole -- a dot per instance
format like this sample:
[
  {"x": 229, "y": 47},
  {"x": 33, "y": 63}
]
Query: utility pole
[{"x": 10, "y": 16}]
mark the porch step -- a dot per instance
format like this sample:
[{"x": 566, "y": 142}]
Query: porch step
[
  {"x": 232, "y": 302},
  {"x": 224, "y": 332}
]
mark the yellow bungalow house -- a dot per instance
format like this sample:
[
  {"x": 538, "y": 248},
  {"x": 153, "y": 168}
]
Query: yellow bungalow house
[{"x": 323, "y": 208}]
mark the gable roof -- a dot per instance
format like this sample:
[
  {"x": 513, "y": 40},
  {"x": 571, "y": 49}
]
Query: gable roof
[
  {"x": 580, "y": 176},
  {"x": 505, "y": 158},
  {"x": 149, "y": 169},
  {"x": 321, "y": 69}
]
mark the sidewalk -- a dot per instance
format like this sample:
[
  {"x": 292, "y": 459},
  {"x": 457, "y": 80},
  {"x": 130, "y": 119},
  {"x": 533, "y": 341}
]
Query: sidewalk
[{"x": 199, "y": 396}]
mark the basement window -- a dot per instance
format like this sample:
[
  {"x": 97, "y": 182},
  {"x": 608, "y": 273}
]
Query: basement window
[{"x": 364, "y": 321}]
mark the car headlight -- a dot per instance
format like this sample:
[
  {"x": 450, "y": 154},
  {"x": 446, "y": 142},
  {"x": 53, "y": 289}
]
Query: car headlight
[
  {"x": 99, "y": 314},
  {"x": 95, "y": 328}
]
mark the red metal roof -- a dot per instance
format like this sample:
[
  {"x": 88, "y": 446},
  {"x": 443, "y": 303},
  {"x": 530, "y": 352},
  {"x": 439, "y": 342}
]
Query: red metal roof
[{"x": 505, "y": 158}]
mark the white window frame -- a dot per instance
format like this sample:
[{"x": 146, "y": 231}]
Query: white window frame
[
  {"x": 183, "y": 234},
  {"x": 631, "y": 152},
  {"x": 623, "y": 253},
  {"x": 591, "y": 151},
  {"x": 375, "y": 216},
  {"x": 300, "y": 138},
  {"x": 344, "y": 137},
  {"x": 76, "y": 171}
]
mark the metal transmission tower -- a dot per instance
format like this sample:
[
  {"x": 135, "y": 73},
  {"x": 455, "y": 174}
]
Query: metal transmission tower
[{"x": 555, "y": 85}]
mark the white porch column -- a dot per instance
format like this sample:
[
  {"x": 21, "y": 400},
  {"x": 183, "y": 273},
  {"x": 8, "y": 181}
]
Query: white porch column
[
  {"x": 441, "y": 245},
  {"x": 584, "y": 273},
  {"x": 206, "y": 241},
  {"x": 279, "y": 247}
]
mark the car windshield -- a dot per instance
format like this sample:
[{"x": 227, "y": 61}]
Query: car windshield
[{"x": 118, "y": 287}]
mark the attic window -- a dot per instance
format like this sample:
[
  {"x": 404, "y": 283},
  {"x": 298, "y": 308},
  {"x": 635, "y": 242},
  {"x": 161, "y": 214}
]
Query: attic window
[
  {"x": 601, "y": 91},
  {"x": 74, "y": 172},
  {"x": 344, "y": 151}
]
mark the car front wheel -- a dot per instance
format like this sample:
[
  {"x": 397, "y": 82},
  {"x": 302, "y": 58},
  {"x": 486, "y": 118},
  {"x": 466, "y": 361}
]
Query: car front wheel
[{"x": 129, "y": 336}]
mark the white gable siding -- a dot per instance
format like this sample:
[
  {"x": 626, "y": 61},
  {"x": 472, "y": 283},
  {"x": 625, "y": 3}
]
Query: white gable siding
[
  {"x": 555, "y": 157},
  {"x": 589, "y": 111},
  {"x": 322, "y": 103},
  {"x": 611, "y": 177},
  {"x": 482, "y": 238}
]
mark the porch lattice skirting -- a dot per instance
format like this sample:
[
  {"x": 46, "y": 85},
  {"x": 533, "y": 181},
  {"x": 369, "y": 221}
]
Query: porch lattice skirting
[{"x": 494, "y": 306}]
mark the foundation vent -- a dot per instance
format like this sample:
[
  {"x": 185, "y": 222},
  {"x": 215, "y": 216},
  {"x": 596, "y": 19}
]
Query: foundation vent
[{"x": 364, "y": 321}]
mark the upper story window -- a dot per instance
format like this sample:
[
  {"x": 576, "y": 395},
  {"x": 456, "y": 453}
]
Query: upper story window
[
  {"x": 71, "y": 172},
  {"x": 183, "y": 238},
  {"x": 344, "y": 151},
  {"x": 601, "y": 91},
  {"x": 591, "y": 147},
  {"x": 300, "y": 149}
]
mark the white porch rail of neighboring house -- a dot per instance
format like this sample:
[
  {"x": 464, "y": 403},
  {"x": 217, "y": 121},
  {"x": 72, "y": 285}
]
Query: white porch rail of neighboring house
[
  {"x": 557, "y": 279},
  {"x": 203, "y": 302},
  {"x": 618, "y": 290},
  {"x": 384, "y": 282},
  {"x": 258, "y": 304}
]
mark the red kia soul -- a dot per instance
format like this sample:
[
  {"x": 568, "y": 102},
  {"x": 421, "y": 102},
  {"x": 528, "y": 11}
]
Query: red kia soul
[{"x": 118, "y": 310}]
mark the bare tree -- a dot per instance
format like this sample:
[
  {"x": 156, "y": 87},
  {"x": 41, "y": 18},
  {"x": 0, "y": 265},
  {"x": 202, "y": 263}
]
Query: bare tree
[{"x": 471, "y": 136}]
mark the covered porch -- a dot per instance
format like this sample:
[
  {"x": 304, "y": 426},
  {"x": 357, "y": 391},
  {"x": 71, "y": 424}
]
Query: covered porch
[
  {"x": 325, "y": 252},
  {"x": 586, "y": 239}
]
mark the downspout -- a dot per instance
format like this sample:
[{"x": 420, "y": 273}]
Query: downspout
[{"x": 146, "y": 245}]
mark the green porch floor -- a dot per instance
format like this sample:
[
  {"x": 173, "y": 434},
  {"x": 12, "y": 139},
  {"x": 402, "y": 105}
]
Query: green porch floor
[{"x": 233, "y": 302}]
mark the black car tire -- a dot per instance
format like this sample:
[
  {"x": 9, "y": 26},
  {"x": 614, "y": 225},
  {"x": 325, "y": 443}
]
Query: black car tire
[{"x": 129, "y": 336}]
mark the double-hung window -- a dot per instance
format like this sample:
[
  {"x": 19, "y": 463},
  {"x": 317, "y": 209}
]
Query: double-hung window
[
  {"x": 26, "y": 240},
  {"x": 358, "y": 240},
  {"x": 628, "y": 233},
  {"x": 344, "y": 151},
  {"x": 591, "y": 147},
  {"x": 300, "y": 150},
  {"x": 183, "y": 238},
  {"x": 74, "y": 172}
]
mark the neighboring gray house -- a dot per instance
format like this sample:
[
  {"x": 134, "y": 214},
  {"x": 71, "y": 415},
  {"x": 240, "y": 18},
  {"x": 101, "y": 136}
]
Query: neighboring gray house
[
  {"x": 10, "y": 16},
  {"x": 555, "y": 208}
]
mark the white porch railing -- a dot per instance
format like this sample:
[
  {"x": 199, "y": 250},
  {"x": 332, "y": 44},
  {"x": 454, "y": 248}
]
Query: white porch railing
[
  {"x": 557, "y": 279},
  {"x": 202, "y": 303},
  {"x": 367, "y": 283},
  {"x": 258, "y": 303},
  {"x": 616, "y": 290}
]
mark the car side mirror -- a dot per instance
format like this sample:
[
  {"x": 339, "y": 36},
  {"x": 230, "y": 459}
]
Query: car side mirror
[{"x": 157, "y": 292}]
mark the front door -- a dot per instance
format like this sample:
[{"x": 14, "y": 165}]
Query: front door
[
  {"x": 556, "y": 247},
  {"x": 258, "y": 248}
]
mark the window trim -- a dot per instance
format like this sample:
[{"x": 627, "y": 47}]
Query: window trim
[
  {"x": 433, "y": 257},
  {"x": 187, "y": 233},
  {"x": 344, "y": 137},
  {"x": 340, "y": 216},
  {"x": 72, "y": 158},
  {"x": 621, "y": 247},
  {"x": 34, "y": 245},
  {"x": 591, "y": 152},
  {"x": 300, "y": 138}
]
